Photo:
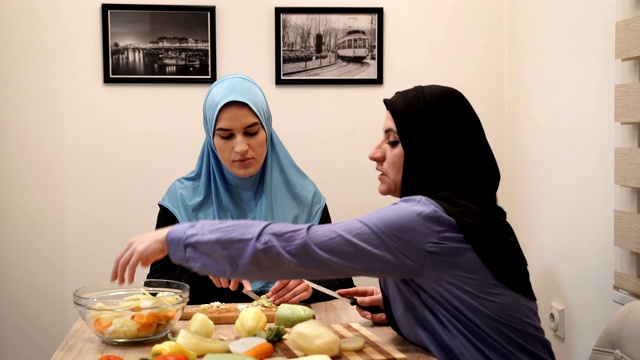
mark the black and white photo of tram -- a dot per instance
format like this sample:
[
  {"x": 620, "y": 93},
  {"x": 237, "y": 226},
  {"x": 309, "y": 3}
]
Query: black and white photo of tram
[
  {"x": 354, "y": 46},
  {"x": 328, "y": 45}
]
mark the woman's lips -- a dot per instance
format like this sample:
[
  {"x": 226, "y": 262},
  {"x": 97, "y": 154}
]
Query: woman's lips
[{"x": 244, "y": 161}]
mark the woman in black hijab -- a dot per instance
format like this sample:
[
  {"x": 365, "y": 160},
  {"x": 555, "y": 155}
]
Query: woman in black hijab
[
  {"x": 448, "y": 159},
  {"x": 453, "y": 278}
]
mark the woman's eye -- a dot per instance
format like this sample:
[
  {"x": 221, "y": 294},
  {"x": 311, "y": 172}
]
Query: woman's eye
[
  {"x": 225, "y": 137},
  {"x": 393, "y": 143},
  {"x": 252, "y": 133}
]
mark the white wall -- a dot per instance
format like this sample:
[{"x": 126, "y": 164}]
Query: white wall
[
  {"x": 83, "y": 163},
  {"x": 559, "y": 158}
]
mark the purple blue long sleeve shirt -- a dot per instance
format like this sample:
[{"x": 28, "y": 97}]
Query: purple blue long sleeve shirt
[{"x": 443, "y": 298}]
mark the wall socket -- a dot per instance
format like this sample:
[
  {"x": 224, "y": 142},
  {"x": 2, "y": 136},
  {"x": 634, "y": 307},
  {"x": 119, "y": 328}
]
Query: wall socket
[{"x": 556, "y": 319}]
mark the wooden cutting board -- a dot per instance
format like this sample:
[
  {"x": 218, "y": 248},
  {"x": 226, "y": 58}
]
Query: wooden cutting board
[
  {"x": 223, "y": 315},
  {"x": 374, "y": 348}
]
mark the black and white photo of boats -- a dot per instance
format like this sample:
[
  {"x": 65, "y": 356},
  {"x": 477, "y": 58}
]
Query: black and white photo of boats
[{"x": 160, "y": 44}]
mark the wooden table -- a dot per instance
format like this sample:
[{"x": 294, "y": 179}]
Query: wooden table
[{"x": 81, "y": 343}]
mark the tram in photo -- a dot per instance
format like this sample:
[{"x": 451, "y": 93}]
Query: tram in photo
[{"x": 353, "y": 46}]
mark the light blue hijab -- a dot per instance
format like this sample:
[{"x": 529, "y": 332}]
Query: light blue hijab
[{"x": 280, "y": 191}]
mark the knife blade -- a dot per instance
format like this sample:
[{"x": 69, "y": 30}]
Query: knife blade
[
  {"x": 350, "y": 300},
  {"x": 251, "y": 294}
]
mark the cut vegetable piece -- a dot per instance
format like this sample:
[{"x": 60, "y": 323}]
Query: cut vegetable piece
[
  {"x": 288, "y": 315},
  {"x": 261, "y": 351},
  {"x": 122, "y": 328},
  {"x": 354, "y": 343},
  {"x": 243, "y": 344}
]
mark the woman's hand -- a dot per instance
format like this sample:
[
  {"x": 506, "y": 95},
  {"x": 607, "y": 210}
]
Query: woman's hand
[
  {"x": 289, "y": 292},
  {"x": 282, "y": 292},
  {"x": 232, "y": 284},
  {"x": 367, "y": 296},
  {"x": 141, "y": 250}
]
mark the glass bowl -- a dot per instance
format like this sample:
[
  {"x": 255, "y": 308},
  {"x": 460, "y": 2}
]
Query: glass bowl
[{"x": 138, "y": 312}]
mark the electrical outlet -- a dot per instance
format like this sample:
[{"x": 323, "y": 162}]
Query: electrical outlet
[{"x": 556, "y": 319}]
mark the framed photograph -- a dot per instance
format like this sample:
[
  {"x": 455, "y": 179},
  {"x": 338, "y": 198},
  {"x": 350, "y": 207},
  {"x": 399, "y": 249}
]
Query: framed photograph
[
  {"x": 158, "y": 43},
  {"x": 328, "y": 45}
]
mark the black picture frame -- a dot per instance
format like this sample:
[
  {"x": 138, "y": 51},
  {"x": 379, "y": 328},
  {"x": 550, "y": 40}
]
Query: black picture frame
[
  {"x": 158, "y": 43},
  {"x": 329, "y": 57}
]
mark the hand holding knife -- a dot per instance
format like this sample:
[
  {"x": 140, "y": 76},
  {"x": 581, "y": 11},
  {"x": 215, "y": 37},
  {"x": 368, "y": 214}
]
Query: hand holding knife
[{"x": 350, "y": 300}]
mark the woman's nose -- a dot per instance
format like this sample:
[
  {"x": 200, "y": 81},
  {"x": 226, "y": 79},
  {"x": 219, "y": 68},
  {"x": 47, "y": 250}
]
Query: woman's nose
[
  {"x": 241, "y": 145},
  {"x": 375, "y": 153}
]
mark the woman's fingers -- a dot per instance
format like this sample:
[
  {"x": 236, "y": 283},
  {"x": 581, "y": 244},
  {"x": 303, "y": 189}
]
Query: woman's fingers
[
  {"x": 216, "y": 281},
  {"x": 359, "y": 291},
  {"x": 120, "y": 265},
  {"x": 140, "y": 250},
  {"x": 378, "y": 319},
  {"x": 231, "y": 284},
  {"x": 246, "y": 284},
  {"x": 234, "y": 284},
  {"x": 289, "y": 292}
]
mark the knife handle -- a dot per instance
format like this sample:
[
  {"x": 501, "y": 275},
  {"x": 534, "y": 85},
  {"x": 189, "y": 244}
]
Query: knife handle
[{"x": 372, "y": 309}]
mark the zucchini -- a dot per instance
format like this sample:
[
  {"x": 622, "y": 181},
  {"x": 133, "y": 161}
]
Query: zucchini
[{"x": 289, "y": 315}]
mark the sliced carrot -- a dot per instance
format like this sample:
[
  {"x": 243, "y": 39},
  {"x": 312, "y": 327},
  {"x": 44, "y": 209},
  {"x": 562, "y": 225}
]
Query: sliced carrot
[
  {"x": 169, "y": 315},
  {"x": 147, "y": 318},
  {"x": 261, "y": 351},
  {"x": 100, "y": 325},
  {"x": 147, "y": 330}
]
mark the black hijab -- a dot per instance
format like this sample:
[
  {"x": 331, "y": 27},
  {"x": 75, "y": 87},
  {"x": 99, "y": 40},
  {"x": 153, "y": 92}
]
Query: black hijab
[{"x": 447, "y": 158}]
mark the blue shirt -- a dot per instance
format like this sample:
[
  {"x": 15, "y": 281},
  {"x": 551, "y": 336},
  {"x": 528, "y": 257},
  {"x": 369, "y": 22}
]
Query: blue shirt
[{"x": 443, "y": 298}]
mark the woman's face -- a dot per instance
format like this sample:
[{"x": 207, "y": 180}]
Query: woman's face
[
  {"x": 240, "y": 139},
  {"x": 388, "y": 155}
]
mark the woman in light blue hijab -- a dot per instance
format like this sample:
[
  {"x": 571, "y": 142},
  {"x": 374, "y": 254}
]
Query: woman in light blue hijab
[{"x": 230, "y": 181}]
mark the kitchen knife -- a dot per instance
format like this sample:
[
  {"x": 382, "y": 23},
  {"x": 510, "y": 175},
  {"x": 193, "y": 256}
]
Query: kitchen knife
[
  {"x": 251, "y": 294},
  {"x": 350, "y": 300}
]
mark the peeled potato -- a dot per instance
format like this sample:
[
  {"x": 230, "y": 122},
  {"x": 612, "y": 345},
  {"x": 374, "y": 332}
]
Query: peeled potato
[
  {"x": 313, "y": 337},
  {"x": 354, "y": 343}
]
